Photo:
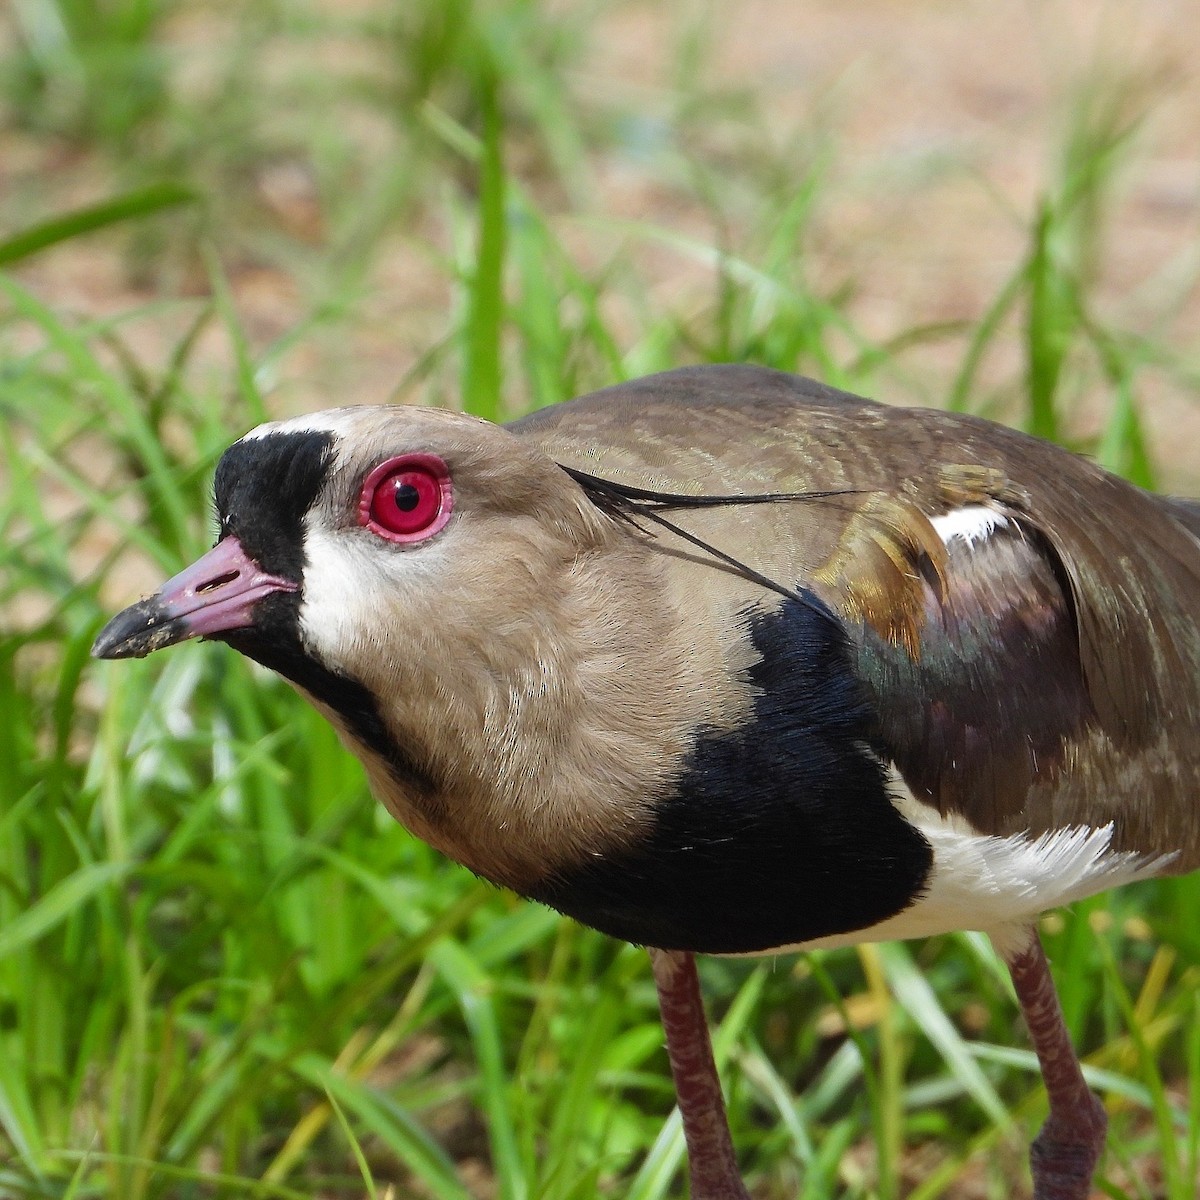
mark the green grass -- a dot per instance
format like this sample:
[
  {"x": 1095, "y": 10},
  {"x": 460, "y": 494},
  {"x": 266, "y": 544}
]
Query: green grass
[{"x": 223, "y": 971}]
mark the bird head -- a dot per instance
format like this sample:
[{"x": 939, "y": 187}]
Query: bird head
[
  {"x": 334, "y": 525},
  {"x": 468, "y": 619}
]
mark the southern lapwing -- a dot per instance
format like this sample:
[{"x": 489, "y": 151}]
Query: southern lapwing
[{"x": 725, "y": 661}]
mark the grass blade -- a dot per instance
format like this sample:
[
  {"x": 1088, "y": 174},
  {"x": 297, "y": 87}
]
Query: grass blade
[
  {"x": 131, "y": 206},
  {"x": 486, "y": 313},
  {"x": 472, "y": 988},
  {"x": 912, "y": 990},
  {"x": 58, "y": 904}
]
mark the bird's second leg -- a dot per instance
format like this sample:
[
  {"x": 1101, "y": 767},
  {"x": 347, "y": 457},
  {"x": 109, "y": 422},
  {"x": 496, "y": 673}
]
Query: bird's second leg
[
  {"x": 712, "y": 1164},
  {"x": 1065, "y": 1153}
]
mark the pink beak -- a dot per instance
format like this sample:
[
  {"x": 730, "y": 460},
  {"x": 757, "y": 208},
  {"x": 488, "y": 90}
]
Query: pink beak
[{"x": 216, "y": 594}]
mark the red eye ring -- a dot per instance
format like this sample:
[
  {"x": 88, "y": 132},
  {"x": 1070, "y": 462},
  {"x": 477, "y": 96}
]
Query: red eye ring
[{"x": 407, "y": 499}]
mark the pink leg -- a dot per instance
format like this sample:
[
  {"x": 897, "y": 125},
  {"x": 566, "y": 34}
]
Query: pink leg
[
  {"x": 1065, "y": 1153},
  {"x": 712, "y": 1164}
]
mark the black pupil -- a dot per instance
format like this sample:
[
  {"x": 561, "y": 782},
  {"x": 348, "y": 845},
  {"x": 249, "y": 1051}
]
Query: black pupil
[{"x": 407, "y": 497}]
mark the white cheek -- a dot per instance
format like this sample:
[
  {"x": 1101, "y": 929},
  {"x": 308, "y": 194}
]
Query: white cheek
[
  {"x": 355, "y": 589},
  {"x": 972, "y": 523}
]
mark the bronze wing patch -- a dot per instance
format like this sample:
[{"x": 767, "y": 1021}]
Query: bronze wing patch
[{"x": 970, "y": 650}]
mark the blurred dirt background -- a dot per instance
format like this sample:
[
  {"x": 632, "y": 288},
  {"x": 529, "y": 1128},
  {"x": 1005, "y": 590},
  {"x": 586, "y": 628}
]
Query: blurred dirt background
[{"x": 937, "y": 125}]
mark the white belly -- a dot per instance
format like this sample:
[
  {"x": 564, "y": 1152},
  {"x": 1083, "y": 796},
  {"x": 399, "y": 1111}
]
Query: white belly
[{"x": 998, "y": 885}]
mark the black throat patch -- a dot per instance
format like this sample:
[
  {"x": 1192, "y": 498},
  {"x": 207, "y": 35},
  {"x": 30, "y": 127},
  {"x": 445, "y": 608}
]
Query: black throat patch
[{"x": 777, "y": 832}]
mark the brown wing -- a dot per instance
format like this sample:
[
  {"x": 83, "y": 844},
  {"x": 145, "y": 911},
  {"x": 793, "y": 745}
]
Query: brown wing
[
  {"x": 1186, "y": 512},
  {"x": 1024, "y": 679},
  {"x": 981, "y": 690}
]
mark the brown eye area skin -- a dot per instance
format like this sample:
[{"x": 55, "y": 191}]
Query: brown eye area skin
[{"x": 408, "y": 498}]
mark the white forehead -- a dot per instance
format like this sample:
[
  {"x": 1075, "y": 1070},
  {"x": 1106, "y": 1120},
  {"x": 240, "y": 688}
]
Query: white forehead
[
  {"x": 357, "y": 425},
  {"x": 338, "y": 421}
]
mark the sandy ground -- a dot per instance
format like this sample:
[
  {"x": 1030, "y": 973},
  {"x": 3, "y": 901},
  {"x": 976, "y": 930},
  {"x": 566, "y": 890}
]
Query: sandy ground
[
  {"x": 948, "y": 119},
  {"x": 944, "y": 118}
]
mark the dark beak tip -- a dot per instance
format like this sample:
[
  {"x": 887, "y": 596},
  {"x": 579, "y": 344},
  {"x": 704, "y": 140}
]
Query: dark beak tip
[
  {"x": 100, "y": 648},
  {"x": 109, "y": 646},
  {"x": 212, "y": 597},
  {"x": 139, "y": 630}
]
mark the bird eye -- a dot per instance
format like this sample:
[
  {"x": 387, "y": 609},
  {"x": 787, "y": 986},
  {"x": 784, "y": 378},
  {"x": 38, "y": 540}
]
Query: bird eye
[{"x": 407, "y": 499}]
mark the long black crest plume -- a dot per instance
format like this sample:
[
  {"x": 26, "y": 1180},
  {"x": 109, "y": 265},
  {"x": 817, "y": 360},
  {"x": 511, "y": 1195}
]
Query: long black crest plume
[{"x": 628, "y": 503}]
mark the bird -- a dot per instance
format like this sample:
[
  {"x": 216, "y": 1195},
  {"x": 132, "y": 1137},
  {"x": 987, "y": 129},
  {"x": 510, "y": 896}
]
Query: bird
[{"x": 727, "y": 661}]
